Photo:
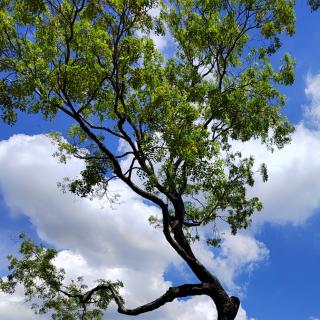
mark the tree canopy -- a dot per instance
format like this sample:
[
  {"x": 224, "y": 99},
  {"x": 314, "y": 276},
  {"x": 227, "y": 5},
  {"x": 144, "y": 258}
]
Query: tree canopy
[{"x": 176, "y": 114}]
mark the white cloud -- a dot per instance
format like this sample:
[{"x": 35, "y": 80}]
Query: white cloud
[
  {"x": 291, "y": 194},
  {"x": 29, "y": 186},
  {"x": 238, "y": 253},
  {"x": 136, "y": 294},
  {"x": 162, "y": 42},
  {"x": 12, "y": 307},
  {"x": 101, "y": 243},
  {"x": 312, "y": 91},
  {"x": 155, "y": 11}
]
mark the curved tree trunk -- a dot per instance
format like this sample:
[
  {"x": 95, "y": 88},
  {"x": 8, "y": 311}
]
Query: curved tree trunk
[{"x": 227, "y": 307}]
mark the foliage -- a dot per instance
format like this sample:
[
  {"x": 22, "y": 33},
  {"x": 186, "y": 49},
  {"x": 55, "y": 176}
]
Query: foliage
[
  {"x": 177, "y": 114},
  {"x": 36, "y": 271},
  {"x": 314, "y": 4}
]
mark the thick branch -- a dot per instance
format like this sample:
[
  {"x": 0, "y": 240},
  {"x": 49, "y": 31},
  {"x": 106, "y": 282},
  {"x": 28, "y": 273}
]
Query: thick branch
[
  {"x": 172, "y": 293},
  {"x": 227, "y": 309}
]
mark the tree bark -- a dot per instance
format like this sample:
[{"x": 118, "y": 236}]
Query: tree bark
[
  {"x": 227, "y": 307},
  {"x": 226, "y": 311}
]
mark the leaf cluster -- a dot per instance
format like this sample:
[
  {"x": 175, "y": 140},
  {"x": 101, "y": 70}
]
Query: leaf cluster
[{"x": 44, "y": 284}]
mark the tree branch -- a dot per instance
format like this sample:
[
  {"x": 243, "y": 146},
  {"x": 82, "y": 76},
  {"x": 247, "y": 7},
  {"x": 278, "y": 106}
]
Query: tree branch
[{"x": 172, "y": 293}]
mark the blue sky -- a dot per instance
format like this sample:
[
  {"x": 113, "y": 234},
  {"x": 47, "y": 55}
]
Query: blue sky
[{"x": 273, "y": 266}]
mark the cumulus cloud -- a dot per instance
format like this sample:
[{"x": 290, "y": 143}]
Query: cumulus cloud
[
  {"x": 29, "y": 186},
  {"x": 161, "y": 42},
  {"x": 291, "y": 194},
  {"x": 95, "y": 242},
  {"x": 312, "y": 91},
  {"x": 164, "y": 43},
  {"x": 12, "y": 307},
  {"x": 238, "y": 253},
  {"x": 135, "y": 293}
]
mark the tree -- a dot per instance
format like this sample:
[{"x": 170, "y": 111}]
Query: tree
[
  {"x": 95, "y": 62},
  {"x": 314, "y": 4}
]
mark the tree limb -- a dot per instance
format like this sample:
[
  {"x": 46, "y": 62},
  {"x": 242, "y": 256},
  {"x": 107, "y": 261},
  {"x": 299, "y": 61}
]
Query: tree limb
[{"x": 171, "y": 294}]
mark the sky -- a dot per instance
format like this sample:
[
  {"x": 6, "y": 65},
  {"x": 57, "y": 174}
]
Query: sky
[{"x": 272, "y": 266}]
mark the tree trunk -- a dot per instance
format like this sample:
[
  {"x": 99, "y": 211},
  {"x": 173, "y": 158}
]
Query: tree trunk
[{"x": 229, "y": 309}]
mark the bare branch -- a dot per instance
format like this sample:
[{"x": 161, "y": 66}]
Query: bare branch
[{"x": 172, "y": 293}]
